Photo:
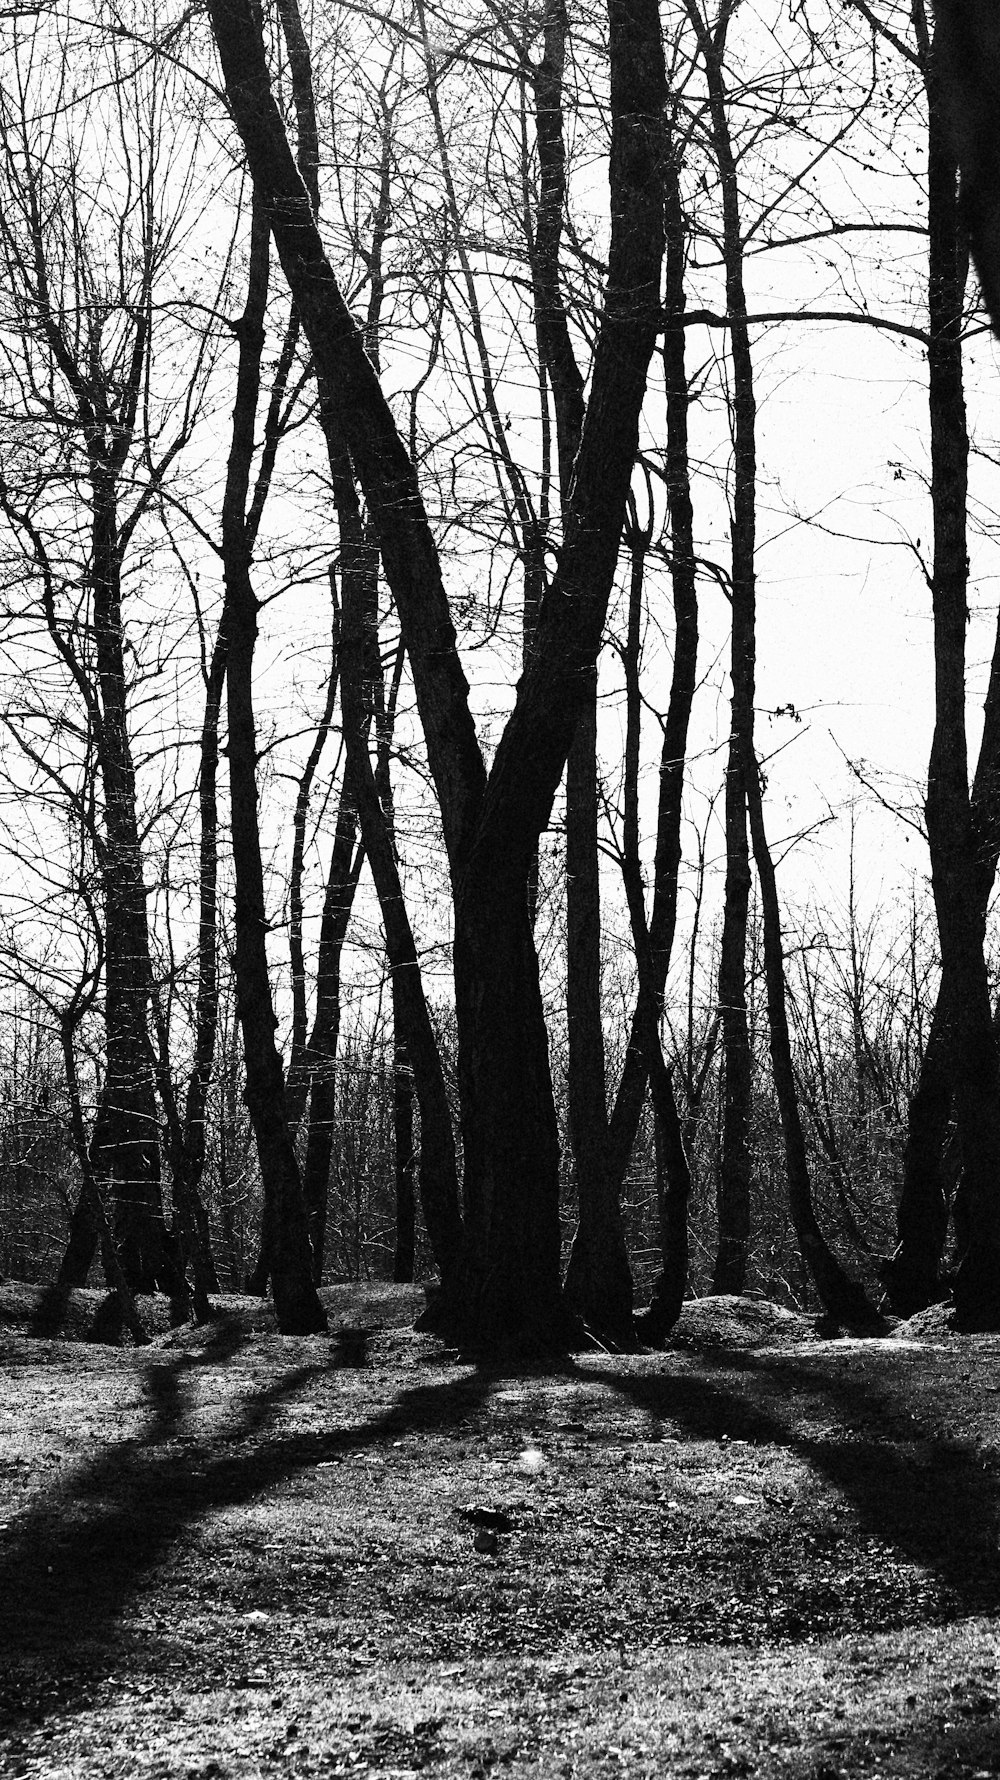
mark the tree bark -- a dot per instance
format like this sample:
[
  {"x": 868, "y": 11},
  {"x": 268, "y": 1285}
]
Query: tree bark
[
  {"x": 912, "y": 1275},
  {"x": 361, "y": 672},
  {"x": 492, "y": 827},
  {"x": 955, "y": 860},
  {"x": 735, "y": 1167},
  {"x": 406, "y": 1161},
  {"x": 967, "y": 54},
  {"x": 598, "y": 1283},
  {"x": 296, "y": 1305},
  {"x": 673, "y": 1192},
  {"x": 654, "y": 943}
]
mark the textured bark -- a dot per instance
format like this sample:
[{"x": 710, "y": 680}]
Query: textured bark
[
  {"x": 492, "y": 827},
  {"x": 127, "y": 1154},
  {"x": 90, "y": 1192},
  {"x": 406, "y": 1163},
  {"x": 673, "y": 1191}
]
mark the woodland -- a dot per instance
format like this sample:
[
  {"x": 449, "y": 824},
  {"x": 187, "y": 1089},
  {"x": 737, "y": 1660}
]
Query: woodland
[{"x": 398, "y": 879}]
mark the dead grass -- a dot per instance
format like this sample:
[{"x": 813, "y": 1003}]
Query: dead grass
[{"x": 757, "y": 1553}]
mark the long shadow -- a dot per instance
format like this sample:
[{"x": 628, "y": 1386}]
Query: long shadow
[
  {"x": 933, "y": 1498},
  {"x": 74, "y": 1560}
]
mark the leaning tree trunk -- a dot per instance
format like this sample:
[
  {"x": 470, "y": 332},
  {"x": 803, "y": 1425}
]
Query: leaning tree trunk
[
  {"x": 492, "y": 825},
  {"x": 361, "y": 668}
]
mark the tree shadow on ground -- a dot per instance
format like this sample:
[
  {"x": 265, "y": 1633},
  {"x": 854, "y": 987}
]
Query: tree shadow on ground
[
  {"x": 933, "y": 1498},
  {"x": 74, "y": 1560}
]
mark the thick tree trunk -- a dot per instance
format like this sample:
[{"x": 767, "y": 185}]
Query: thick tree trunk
[
  {"x": 127, "y": 1154},
  {"x": 509, "y": 1131},
  {"x": 90, "y": 1191},
  {"x": 966, "y": 1012},
  {"x": 492, "y": 827},
  {"x": 963, "y": 841},
  {"x": 967, "y": 56},
  {"x": 81, "y": 1244}
]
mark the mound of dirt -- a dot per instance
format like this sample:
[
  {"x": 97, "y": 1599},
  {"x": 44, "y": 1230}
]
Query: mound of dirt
[{"x": 742, "y": 1322}]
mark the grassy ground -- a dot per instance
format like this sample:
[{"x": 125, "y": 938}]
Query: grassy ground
[{"x": 758, "y": 1553}]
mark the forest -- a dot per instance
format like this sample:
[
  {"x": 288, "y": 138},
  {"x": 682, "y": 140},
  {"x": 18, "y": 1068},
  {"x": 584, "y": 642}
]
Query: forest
[{"x": 421, "y": 497}]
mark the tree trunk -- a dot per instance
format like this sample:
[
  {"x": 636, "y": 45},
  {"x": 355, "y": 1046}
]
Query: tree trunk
[
  {"x": 405, "y": 1165},
  {"x": 842, "y": 1298},
  {"x": 967, "y": 54},
  {"x": 598, "y": 1284},
  {"x": 735, "y": 1170},
  {"x": 962, "y": 832},
  {"x": 654, "y": 943},
  {"x": 361, "y": 682},
  {"x": 966, "y": 1013},
  {"x": 346, "y": 859},
  {"x": 492, "y": 826},
  {"x": 298, "y": 1309},
  {"x": 127, "y": 1155},
  {"x": 673, "y": 1191}
]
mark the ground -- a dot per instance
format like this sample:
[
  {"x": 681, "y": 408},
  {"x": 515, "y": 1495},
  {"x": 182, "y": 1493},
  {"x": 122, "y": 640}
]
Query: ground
[{"x": 757, "y": 1553}]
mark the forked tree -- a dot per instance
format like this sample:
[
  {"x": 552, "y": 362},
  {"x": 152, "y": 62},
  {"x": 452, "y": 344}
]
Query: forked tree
[{"x": 492, "y": 820}]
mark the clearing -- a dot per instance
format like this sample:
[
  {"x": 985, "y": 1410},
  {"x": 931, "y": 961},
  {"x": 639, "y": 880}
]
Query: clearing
[{"x": 757, "y": 1553}]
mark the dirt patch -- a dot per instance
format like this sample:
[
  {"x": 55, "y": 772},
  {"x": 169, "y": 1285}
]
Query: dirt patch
[{"x": 756, "y": 1553}]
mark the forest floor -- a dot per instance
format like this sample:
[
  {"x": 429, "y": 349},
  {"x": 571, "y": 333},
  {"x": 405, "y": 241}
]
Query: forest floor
[{"x": 756, "y": 1553}]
